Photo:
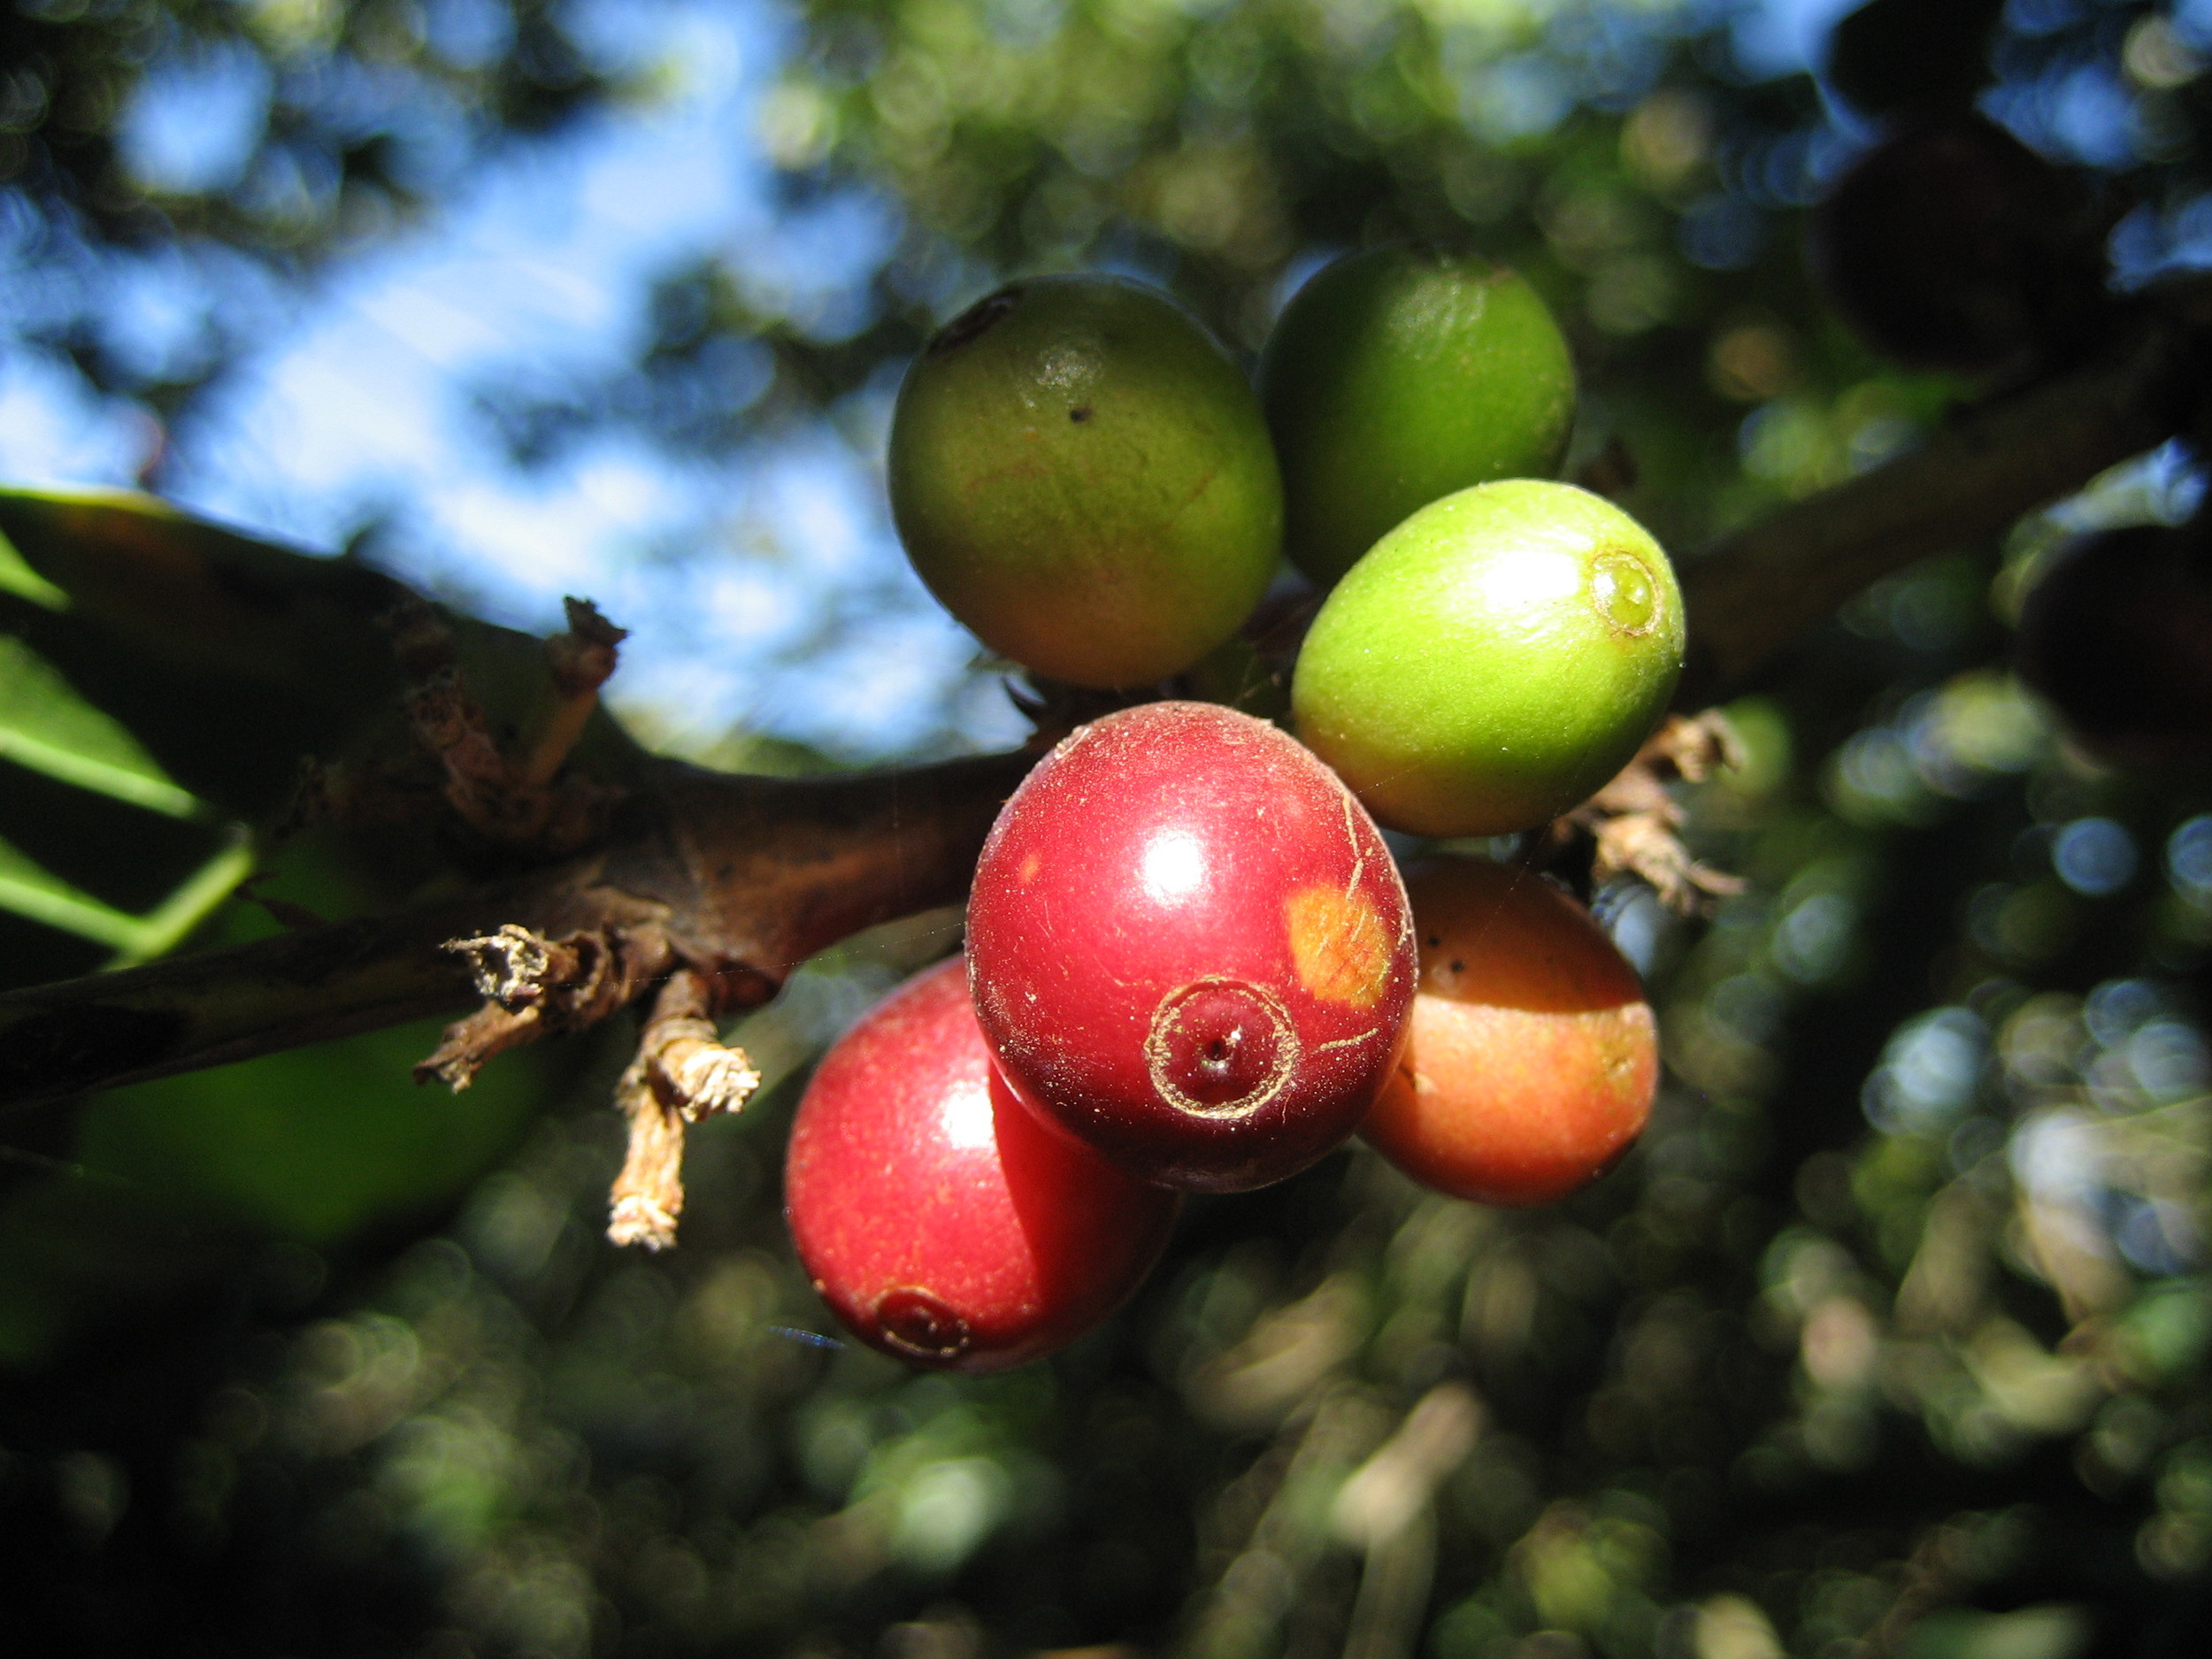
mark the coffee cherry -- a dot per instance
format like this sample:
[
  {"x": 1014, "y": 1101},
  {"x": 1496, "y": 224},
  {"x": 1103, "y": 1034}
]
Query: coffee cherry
[
  {"x": 1894, "y": 56},
  {"x": 1534, "y": 1057},
  {"x": 941, "y": 1221},
  {"x": 1951, "y": 245},
  {"x": 1496, "y": 659},
  {"x": 2117, "y": 637},
  {"x": 1398, "y": 375},
  {"x": 1189, "y": 947},
  {"x": 1083, "y": 477}
]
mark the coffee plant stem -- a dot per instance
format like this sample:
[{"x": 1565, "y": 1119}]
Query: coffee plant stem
[
  {"x": 1751, "y": 593},
  {"x": 740, "y": 878}
]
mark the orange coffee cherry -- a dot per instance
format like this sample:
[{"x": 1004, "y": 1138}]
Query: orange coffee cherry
[{"x": 1533, "y": 1056}]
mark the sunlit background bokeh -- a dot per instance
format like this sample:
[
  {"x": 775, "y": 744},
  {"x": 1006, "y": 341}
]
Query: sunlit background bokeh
[{"x": 1890, "y": 1339}]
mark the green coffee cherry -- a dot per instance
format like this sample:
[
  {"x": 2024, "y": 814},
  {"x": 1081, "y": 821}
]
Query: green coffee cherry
[
  {"x": 1084, "y": 477},
  {"x": 1493, "y": 661},
  {"x": 1399, "y": 375}
]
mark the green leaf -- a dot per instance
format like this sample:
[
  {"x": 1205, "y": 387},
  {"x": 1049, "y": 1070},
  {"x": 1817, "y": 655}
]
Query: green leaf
[
  {"x": 232, "y": 657},
  {"x": 313, "y": 1143},
  {"x": 18, "y": 578},
  {"x": 191, "y": 595},
  {"x": 46, "y": 726},
  {"x": 163, "y": 928},
  {"x": 28, "y": 890}
]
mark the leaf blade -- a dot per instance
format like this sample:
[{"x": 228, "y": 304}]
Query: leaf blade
[
  {"x": 163, "y": 928},
  {"x": 18, "y": 578},
  {"x": 29, "y": 890},
  {"x": 46, "y": 727}
]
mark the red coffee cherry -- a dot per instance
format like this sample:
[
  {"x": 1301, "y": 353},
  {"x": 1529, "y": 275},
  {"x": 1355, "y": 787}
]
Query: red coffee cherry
[
  {"x": 940, "y": 1219},
  {"x": 1190, "y": 948},
  {"x": 1533, "y": 1056}
]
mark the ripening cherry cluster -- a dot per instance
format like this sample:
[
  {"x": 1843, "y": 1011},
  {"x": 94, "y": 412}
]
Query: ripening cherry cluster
[{"x": 1192, "y": 964}]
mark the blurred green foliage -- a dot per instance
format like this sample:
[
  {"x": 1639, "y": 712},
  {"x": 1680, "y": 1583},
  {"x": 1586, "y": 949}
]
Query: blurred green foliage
[{"x": 1892, "y": 1337}]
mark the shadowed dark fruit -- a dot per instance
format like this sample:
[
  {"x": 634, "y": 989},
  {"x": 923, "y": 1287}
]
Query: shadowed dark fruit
[
  {"x": 1951, "y": 245},
  {"x": 2117, "y": 637},
  {"x": 1895, "y": 56}
]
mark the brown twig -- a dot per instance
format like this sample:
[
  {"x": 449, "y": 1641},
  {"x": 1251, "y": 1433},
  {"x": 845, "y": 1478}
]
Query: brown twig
[
  {"x": 682, "y": 1074},
  {"x": 744, "y": 877},
  {"x": 648, "y": 1196},
  {"x": 533, "y": 986},
  {"x": 1636, "y": 822},
  {"x": 525, "y": 804},
  {"x": 582, "y": 660},
  {"x": 478, "y": 785}
]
